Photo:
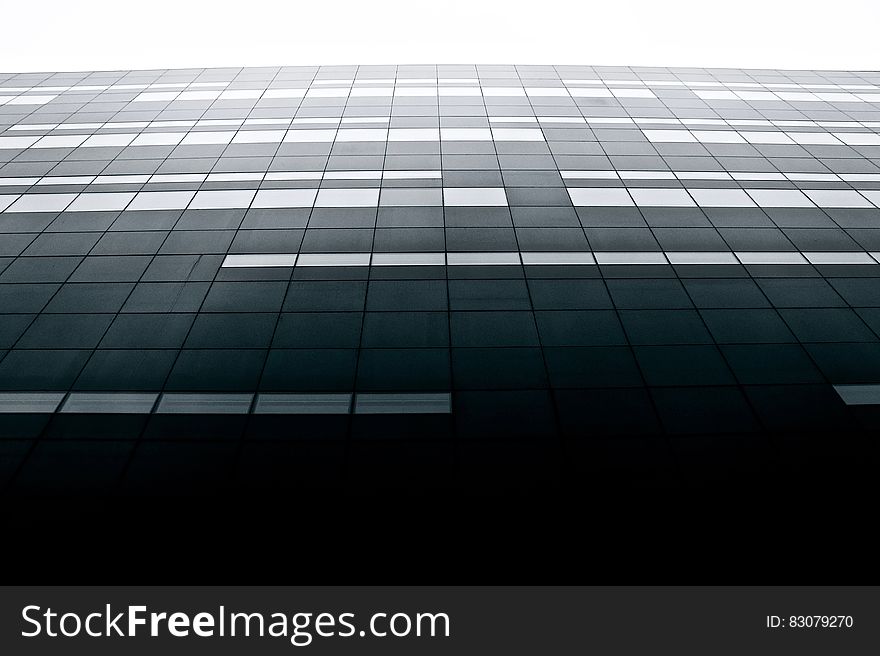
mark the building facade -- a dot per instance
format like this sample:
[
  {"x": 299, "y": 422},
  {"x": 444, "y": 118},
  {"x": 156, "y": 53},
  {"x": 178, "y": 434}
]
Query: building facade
[{"x": 471, "y": 278}]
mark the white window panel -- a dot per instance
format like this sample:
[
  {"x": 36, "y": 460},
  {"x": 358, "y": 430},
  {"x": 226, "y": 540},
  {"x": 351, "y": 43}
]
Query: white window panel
[
  {"x": 779, "y": 198},
  {"x": 409, "y": 197},
  {"x": 590, "y": 175},
  {"x": 548, "y": 92},
  {"x": 840, "y": 257},
  {"x": 415, "y": 91},
  {"x": 599, "y": 197},
  {"x": 459, "y": 91},
  {"x": 814, "y": 138},
  {"x": 873, "y": 196},
  {"x": 721, "y": 198},
  {"x": 222, "y": 199},
  {"x": 766, "y": 257},
  {"x": 697, "y": 257},
  {"x": 161, "y": 200},
  {"x": 333, "y": 259},
  {"x": 766, "y": 137},
  {"x": 108, "y": 140},
  {"x": 838, "y": 97},
  {"x": 268, "y": 198},
  {"x": 31, "y": 100},
  {"x": 158, "y": 139},
  {"x": 157, "y": 96},
  {"x": 718, "y": 136},
  {"x": 198, "y": 95},
  {"x": 837, "y": 198},
  {"x": 61, "y": 141},
  {"x": 669, "y": 136},
  {"x": 347, "y": 198},
  {"x": 646, "y": 175},
  {"x": 17, "y": 142},
  {"x": 482, "y": 259},
  {"x": 372, "y": 92},
  {"x": 474, "y": 196},
  {"x": 633, "y": 93},
  {"x": 756, "y": 95},
  {"x": 517, "y": 134},
  {"x": 241, "y": 94},
  {"x": 715, "y": 95},
  {"x": 309, "y": 136},
  {"x": 177, "y": 177},
  {"x": 662, "y": 197},
  {"x": 258, "y": 136},
  {"x": 590, "y": 93},
  {"x": 859, "y": 138},
  {"x": 327, "y": 93},
  {"x": 260, "y": 260},
  {"x": 869, "y": 97},
  {"x": 122, "y": 179},
  {"x": 629, "y": 257},
  {"x": 798, "y": 96},
  {"x": 206, "y": 138},
  {"x": 353, "y": 175},
  {"x": 504, "y": 92},
  {"x": 41, "y": 203},
  {"x": 465, "y": 134},
  {"x": 558, "y": 258},
  {"x": 408, "y": 259},
  {"x": 412, "y": 175},
  {"x": 234, "y": 177},
  {"x": 284, "y": 93},
  {"x": 6, "y": 200},
  {"x": 414, "y": 134},
  {"x": 362, "y": 135},
  {"x": 29, "y": 402},
  {"x": 108, "y": 202},
  {"x": 66, "y": 180}
]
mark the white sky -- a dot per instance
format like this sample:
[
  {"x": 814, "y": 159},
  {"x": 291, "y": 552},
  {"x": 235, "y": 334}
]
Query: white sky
[{"x": 65, "y": 35}]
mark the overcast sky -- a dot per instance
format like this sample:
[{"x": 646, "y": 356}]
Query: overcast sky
[{"x": 64, "y": 35}]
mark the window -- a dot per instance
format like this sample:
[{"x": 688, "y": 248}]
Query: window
[
  {"x": 465, "y": 134},
  {"x": 258, "y": 136},
  {"x": 474, "y": 196},
  {"x": 439, "y": 403},
  {"x": 161, "y": 200},
  {"x": 599, "y": 197},
  {"x": 100, "y": 202},
  {"x": 303, "y": 404},
  {"x": 214, "y": 404},
  {"x": 721, "y": 198},
  {"x": 41, "y": 203},
  {"x": 108, "y": 140},
  {"x": 61, "y": 141},
  {"x": 109, "y": 402},
  {"x": 309, "y": 136},
  {"x": 414, "y": 134},
  {"x": 837, "y": 198},
  {"x": 669, "y": 136},
  {"x": 517, "y": 134},
  {"x": 269, "y": 198},
  {"x": 347, "y": 198},
  {"x": 158, "y": 139},
  {"x": 411, "y": 197},
  {"x": 259, "y": 260},
  {"x": 662, "y": 197},
  {"x": 206, "y": 138},
  {"x": 779, "y": 198},
  {"x": 221, "y": 199}
]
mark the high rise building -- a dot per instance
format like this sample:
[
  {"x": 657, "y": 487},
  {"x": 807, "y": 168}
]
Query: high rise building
[{"x": 452, "y": 278}]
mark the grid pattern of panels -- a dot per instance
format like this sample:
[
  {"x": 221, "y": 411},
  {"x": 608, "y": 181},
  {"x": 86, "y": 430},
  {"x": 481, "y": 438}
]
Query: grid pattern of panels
[{"x": 217, "y": 277}]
